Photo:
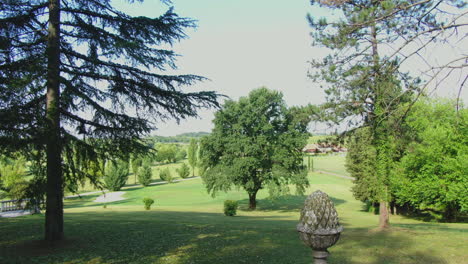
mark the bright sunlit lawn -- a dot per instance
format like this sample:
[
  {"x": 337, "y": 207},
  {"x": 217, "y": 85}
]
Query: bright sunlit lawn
[
  {"x": 329, "y": 163},
  {"x": 186, "y": 225}
]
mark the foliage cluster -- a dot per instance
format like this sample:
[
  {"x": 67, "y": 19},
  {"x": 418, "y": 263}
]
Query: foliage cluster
[
  {"x": 256, "y": 143},
  {"x": 145, "y": 175},
  {"x": 148, "y": 202},
  {"x": 116, "y": 175},
  {"x": 170, "y": 153},
  {"x": 230, "y": 207},
  {"x": 428, "y": 168},
  {"x": 166, "y": 175},
  {"x": 183, "y": 171},
  {"x": 13, "y": 183},
  {"x": 432, "y": 175},
  {"x": 181, "y": 138}
]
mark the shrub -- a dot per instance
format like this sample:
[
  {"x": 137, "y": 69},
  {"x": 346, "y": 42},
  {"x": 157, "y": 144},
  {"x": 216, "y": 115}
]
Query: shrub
[
  {"x": 144, "y": 175},
  {"x": 230, "y": 207},
  {"x": 183, "y": 171},
  {"x": 148, "y": 202},
  {"x": 116, "y": 175},
  {"x": 166, "y": 175}
]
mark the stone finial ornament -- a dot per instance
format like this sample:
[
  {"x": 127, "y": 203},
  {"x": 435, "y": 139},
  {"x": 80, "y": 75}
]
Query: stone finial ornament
[{"x": 319, "y": 227}]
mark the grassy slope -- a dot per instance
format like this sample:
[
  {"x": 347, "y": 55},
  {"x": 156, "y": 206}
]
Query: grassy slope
[
  {"x": 187, "y": 226},
  {"x": 329, "y": 163}
]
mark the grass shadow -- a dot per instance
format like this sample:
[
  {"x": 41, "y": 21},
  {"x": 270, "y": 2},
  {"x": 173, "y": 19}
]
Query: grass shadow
[
  {"x": 389, "y": 246},
  {"x": 430, "y": 227},
  {"x": 88, "y": 201},
  {"x": 196, "y": 237}
]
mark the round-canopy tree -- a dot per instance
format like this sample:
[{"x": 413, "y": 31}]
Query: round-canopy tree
[{"x": 255, "y": 143}]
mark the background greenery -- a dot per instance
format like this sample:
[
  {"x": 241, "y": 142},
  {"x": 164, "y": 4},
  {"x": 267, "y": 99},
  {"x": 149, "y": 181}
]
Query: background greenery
[{"x": 186, "y": 225}]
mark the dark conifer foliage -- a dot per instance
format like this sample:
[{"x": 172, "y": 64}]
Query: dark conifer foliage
[{"x": 81, "y": 80}]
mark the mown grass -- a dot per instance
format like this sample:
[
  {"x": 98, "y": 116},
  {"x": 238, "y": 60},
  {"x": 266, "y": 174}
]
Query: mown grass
[
  {"x": 333, "y": 163},
  {"x": 185, "y": 225}
]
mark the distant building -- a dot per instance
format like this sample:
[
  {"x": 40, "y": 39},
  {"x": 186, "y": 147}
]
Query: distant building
[
  {"x": 310, "y": 148},
  {"x": 322, "y": 148}
]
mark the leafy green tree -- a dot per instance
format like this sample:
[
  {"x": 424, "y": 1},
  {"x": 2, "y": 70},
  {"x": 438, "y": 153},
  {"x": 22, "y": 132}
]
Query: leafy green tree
[
  {"x": 181, "y": 153},
  {"x": 145, "y": 174},
  {"x": 166, "y": 175},
  {"x": 363, "y": 81},
  {"x": 183, "y": 171},
  {"x": 12, "y": 177},
  {"x": 256, "y": 143},
  {"x": 137, "y": 162},
  {"x": 116, "y": 175},
  {"x": 433, "y": 174},
  {"x": 166, "y": 153},
  {"x": 86, "y": 64},
  {"x": 192, "y": 154}
]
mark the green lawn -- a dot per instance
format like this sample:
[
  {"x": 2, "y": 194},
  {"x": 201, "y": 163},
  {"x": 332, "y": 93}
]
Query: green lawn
[
  {"x": 333, "y": 163},
  {"x": 186, "y": 225}
]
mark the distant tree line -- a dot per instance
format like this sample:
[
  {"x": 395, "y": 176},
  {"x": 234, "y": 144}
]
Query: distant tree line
[{"x": 181, "y": 138}]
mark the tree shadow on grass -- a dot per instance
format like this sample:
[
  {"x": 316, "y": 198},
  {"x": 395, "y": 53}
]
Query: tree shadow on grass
[
  {"x": 194, "y": 237},
  {"x": 361, "y": 245},
  {"x": 285, "y": 203},
  {"x": 88, "y": 201},
  {"x": 430, "y": 227}
]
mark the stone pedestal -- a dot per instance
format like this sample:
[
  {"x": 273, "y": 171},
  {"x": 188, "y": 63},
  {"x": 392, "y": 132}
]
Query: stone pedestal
[{"x": 320, "y": 256}]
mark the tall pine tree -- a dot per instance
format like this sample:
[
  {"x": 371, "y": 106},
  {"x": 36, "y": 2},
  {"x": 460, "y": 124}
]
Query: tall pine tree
[
  {"x": 363, "y": 81},
  {"x": 81, "y": 80}
]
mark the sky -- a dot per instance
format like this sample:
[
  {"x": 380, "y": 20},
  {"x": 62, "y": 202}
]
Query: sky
[{"x": 241, "y": 45}]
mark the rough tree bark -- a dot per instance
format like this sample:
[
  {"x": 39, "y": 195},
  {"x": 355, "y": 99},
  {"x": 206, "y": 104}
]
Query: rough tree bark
[
  {"x": 383, "y": 215},
  {"x": 54, "y": 192},
  {"x": 253, "y": 200},
  {"x": 384, "y": 220}
]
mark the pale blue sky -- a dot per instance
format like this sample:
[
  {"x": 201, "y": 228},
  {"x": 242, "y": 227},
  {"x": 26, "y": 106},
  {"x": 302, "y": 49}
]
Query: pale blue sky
[{"x": 241, "y": 45}]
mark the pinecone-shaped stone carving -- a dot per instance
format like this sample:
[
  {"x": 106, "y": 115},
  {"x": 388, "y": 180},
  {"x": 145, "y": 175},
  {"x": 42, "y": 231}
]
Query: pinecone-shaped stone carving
[
  {"x": 319, "y": 227},
  {"x": 319, "y": 215}
]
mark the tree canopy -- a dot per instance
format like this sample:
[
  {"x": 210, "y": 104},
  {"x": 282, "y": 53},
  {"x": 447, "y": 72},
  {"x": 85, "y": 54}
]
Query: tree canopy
[
  {"x": 433, "y": 173},
  {"x": 81, "y": 78},
  {"x": 256, "y": 143}
]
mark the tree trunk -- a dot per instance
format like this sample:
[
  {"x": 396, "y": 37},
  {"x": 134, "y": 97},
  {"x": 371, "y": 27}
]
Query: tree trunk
[
  {"x": 54, "y": 188},
  {"x": 383, "y": 215},
  {"x": 253, "y": 200},
  {"x": 450, "y": 213}
]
